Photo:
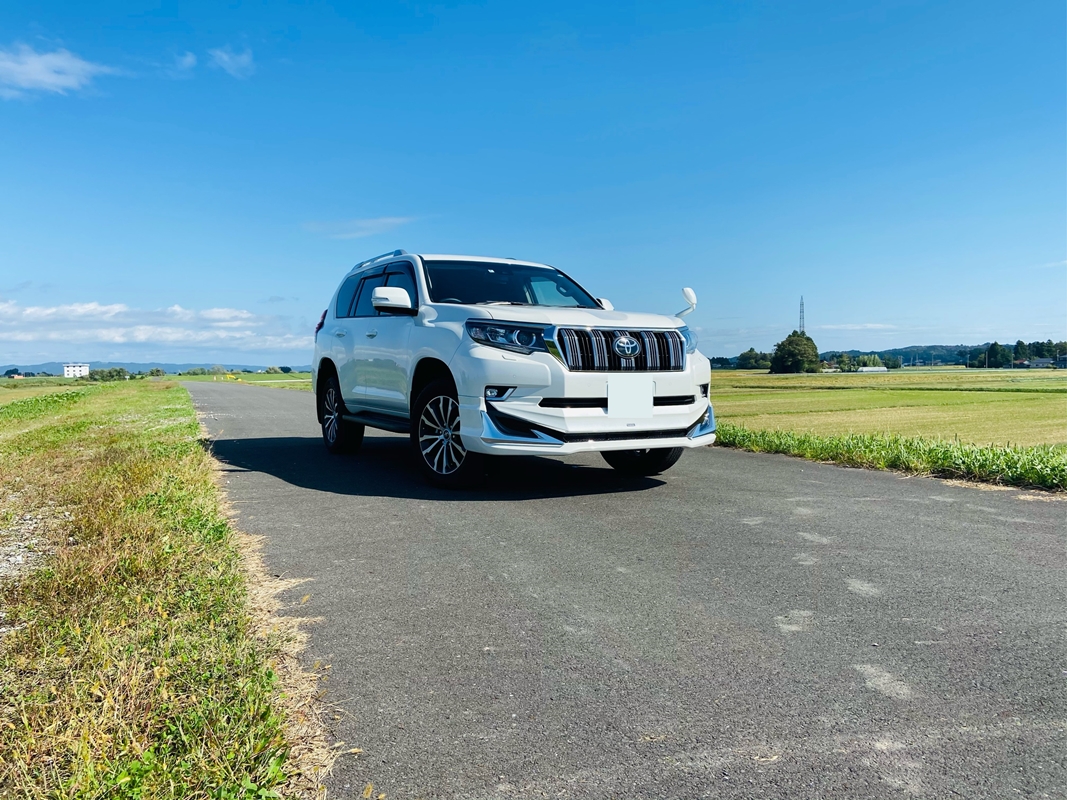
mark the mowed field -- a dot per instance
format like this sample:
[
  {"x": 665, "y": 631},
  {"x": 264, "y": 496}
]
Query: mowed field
[
  {"x": 1020, "y": 407},
  {"x": 291, "y": 380}
]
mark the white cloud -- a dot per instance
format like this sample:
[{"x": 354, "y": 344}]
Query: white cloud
[
  {"x": 183, "y": 66},
  {"x": 74, "y": 311},
  {"x": 239, "y": 65},
  {"x": 858, "y": 326},
  {"x": 80, "y": 324},
  {"x": 23, "y": 69},
  {"x": 357, "y": 228}
]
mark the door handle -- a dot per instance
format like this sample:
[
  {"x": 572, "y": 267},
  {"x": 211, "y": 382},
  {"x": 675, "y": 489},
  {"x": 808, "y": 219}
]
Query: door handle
[
  {"x": 340, "y": 334},
  {"x": 371, "y": 334}
]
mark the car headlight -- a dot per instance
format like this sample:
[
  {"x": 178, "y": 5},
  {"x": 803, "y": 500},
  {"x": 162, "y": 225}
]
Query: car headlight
[
  {"x": 690, "y": 339},
  {"x": 508, "y": 335}
]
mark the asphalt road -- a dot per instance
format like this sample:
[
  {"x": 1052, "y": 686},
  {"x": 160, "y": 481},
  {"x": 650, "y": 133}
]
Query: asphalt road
[{"x": 743, "y": 626}]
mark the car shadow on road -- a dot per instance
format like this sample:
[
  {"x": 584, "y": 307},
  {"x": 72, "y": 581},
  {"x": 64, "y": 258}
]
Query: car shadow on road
[{"x": 384, "y": 467}]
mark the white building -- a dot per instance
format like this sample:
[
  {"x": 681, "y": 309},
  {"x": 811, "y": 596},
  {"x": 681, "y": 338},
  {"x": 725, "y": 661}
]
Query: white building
[
  {"x": 873, "y": 369},
  {"x": 75, "y": 370}
]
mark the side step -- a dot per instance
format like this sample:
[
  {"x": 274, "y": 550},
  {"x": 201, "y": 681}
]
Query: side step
[{"x": 383, "y": 422}]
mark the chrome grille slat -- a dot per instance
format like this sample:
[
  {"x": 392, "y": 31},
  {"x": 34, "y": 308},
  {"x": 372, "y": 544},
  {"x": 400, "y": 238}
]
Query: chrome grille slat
[{"x": 590, "y": 350}]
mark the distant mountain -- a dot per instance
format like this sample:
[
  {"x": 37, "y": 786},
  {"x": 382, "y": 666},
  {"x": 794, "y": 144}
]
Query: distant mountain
[
  {"x": 56, "y": 367},
  {"x": 925, "y": 353}
]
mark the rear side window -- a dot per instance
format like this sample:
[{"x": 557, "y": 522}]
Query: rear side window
[
  {"x": 345, "y": 295},
  {"x": 400, "y": 275},
  {"x": 363, "y": 304}
]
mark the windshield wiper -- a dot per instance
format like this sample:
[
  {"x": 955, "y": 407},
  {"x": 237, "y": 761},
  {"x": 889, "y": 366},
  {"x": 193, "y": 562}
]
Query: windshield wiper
[{"x": 500, "y": 303}]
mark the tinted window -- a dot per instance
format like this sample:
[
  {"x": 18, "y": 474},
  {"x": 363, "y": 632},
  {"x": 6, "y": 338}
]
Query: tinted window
[
  {"x": 473, "y": 282},
  {"x": 345, "y": 295},
  {"x": 363, "y": 305},
  {"x": 405, "y": 280}
]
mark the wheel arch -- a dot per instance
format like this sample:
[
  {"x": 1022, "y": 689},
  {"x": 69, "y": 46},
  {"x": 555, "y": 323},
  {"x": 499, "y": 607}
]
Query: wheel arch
[{"x": 428, "y": 370}]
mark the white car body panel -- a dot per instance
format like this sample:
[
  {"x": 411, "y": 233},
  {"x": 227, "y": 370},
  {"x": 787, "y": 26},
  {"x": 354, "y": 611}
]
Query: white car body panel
[{"x": 376, "y": 359}]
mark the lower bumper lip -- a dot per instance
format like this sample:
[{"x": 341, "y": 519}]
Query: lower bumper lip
[{"x": 500, "y": 428}]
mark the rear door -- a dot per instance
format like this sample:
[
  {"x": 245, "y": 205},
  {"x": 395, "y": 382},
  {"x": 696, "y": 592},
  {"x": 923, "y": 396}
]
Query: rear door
[{"x": 336, "y": 335}]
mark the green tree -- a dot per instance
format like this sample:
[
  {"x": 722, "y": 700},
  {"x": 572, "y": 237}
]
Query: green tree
[
  {"x": 871, "y": 360},
  {"x": 195, "y": 371},
  {"x": 274, "y": 370},
  {"x": 156, "y": 372},
  {"x": 892, "y": 362},
  {"x": 106, "y": 375},
  {"x": 795, "y": 353},
  {"x": 750, "y": 359},
  {"x": 999, "y": 356},
  {"x": 218, "y": 369},
  {"x": 286, "y": 370},
  {"x": 1022, "y": 352}
]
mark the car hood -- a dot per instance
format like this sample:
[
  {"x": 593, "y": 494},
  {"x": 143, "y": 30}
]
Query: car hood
[{"x": 580, "y": 317}]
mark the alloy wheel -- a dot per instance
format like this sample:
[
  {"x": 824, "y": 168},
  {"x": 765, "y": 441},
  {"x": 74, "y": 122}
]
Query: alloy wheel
[
  {"x": 439, "y": 440},
  {"x": 331, "y": 417}
]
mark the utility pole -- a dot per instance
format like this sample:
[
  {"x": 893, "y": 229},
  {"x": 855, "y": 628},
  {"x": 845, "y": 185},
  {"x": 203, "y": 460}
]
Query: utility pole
[{"x": 802, "y": 313}]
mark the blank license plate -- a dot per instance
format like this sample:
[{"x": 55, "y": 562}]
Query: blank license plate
[{"x": 630, "y": 396}]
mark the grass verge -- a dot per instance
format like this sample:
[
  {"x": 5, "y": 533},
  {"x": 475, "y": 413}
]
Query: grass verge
[
  {"x": 1044, "y": 466},
  {"x": 133, "y": 669}
]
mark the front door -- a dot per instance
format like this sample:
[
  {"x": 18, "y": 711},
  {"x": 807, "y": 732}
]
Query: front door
[{"x": 384, "y": 360}]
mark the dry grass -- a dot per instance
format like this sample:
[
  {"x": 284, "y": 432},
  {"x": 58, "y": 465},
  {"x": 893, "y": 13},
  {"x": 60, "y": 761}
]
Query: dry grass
[{"x": 137, "y": 670}]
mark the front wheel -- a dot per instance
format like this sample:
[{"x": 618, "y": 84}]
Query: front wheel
[
  {"x": 443, "y": 458},
  {"x": 641, "y": 463}
]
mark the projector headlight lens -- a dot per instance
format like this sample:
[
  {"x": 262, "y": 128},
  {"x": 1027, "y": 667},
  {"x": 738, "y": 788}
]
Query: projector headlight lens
[{"x": 512, "y": 336}]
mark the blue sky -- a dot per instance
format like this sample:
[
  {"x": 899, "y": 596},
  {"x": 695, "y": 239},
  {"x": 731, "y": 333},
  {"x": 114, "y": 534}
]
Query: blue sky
[{"x": 189, "y": 181}]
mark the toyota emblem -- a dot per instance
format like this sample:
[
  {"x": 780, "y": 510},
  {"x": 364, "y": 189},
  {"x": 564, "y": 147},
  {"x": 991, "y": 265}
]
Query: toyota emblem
[{"x": 627, "y": 346}]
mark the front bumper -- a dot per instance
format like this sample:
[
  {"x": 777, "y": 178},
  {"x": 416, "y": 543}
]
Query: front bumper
[{"x": 529, "y": 421}]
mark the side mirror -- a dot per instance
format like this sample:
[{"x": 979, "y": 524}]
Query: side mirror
[
  {"x": 691, "y": 298},
  {"x": 605, "y": 304},
  {"x": 392, "y": 300}
]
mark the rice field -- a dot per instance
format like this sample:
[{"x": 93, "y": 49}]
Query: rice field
[{"x": 985, "y": 407}]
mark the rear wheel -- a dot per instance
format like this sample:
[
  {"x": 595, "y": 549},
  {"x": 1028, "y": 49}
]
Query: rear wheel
[
  {"x": 443, "y": 458},
  {"x": 339, "y": 435},
  {"x": 640, "y": 463}
]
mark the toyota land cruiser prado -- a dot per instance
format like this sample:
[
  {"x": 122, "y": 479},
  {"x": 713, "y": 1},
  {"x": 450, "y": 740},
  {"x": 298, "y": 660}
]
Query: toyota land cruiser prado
[{"x": 480, "y": 356}]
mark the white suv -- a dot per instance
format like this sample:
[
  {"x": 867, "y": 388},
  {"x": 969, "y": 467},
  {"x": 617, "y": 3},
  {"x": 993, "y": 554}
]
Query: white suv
[{"x": 480, "y": 356}]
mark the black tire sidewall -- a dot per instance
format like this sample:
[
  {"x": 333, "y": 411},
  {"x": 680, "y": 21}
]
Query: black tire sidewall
[{"x": 642, "y": 463}]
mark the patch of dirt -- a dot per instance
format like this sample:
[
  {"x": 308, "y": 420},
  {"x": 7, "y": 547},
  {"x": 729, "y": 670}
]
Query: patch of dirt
[{"x": 26, "y": 539}]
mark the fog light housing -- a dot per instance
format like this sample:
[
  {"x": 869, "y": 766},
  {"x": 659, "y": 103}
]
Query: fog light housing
[
  {"x": 704, "y": 389},
  {"x": 498, "y": 392}
]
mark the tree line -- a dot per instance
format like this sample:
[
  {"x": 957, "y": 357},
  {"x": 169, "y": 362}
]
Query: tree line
[{"x": 797, "y": 353}]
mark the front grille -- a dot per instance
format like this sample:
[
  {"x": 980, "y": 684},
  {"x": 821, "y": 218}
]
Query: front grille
[{"x": 591, "y": 350}]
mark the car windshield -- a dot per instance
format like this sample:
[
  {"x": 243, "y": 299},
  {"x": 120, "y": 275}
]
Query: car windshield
[{"x": 491, "y": 282}]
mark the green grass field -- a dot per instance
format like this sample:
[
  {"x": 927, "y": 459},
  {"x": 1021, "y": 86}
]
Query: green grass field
[
  {"x": 131, "y": 667},
  {"x": 977, "y": 406}
]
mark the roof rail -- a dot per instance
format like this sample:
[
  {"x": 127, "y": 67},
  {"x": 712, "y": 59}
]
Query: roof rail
[{"x": 393, "y": 254}]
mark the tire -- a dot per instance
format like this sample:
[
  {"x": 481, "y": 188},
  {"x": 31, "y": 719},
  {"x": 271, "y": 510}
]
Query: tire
[
  {"x": 338, "y": 435},
  {"x": 641, "y": 463},
  {"x": 435, "y": 438}
]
